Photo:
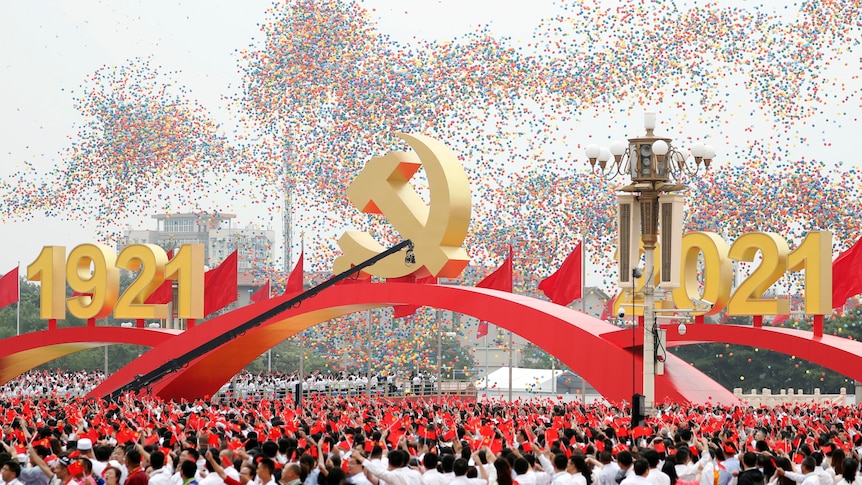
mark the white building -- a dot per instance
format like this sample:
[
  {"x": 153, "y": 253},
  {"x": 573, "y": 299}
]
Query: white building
[{"x": 219, "y": 237}]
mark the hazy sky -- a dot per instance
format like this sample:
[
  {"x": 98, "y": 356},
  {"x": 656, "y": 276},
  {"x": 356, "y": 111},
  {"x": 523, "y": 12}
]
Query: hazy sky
[{"x": 49, "y": 47}]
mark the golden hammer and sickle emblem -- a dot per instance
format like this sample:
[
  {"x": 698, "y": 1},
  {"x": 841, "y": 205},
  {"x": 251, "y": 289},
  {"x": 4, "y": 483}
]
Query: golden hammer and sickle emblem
[{"x": 437, "y": 229}]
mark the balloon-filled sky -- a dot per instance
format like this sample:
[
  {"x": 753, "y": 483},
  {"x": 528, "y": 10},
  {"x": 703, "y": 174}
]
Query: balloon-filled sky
[{"x": 112, "y": 113}]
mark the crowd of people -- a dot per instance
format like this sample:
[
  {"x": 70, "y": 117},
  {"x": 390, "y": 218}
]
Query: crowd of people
[
  {"x": 336, "y": 439},
  {"x": 39, "y": 383}
]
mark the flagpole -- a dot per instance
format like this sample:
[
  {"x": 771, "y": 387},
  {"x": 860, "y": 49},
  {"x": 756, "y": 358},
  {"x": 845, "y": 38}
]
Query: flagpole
[
  {"x": 269, "y": 352},
  {"x": 486, "y": 359},
  {"x": 301, "y": 335},
  {"x": 439, "y": 353},
  {"x": 583, "y": 274},
  {"x": 510, "y": 366},
  {"x": 18, "y": 284},
  {"x": 368, "y": 351},
  {"x": 510, "y": 335}
]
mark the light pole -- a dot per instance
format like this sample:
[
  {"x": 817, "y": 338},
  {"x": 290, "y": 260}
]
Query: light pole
[{"x": 655, "y": 168}]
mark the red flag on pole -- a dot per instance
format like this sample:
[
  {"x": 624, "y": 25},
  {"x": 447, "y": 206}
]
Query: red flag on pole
[
  {"x": 847, "y": 275},
  {"x": 295, "y": 279},
  {"x": 165, "y": 292},
  {"x": 220, "y": 285},
  {"x": 501, "y": 278},
  {"x": 9, "y": 288},
  {"x": 260, "y": 295},
  {"x": 608, "y": 310},
  {"x": 407, "y": 310},
  {"x": 780, "y": 319},
  {"x": 565, "y": 285}
]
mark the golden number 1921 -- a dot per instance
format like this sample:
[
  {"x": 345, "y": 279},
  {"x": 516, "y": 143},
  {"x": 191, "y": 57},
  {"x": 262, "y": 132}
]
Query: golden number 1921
[{"x": 92, "y": 271}]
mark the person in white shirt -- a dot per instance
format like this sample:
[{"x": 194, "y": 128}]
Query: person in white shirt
[
  {"x": 188, "y": 454},
  {"x": 266, "y": 472},
  {"x": 640, "y": 470},
  {"x": 557, "y": 469},
  {"x": 808, "y": 475},
  {"x": 397, "y": 473},
  {"x": 355, "y": 472},
  {"x": 432, "y": 476},
  {"x": 460, "y": 468},
  {"x": 821, "y": 475},
  {"x": 211, "y": 477},
  {"x": 161, "y": 473},
  {"x": 9, "y": 473},
  {"x": 850, "y": 473},
  {"x": 524, "y": 475},
  {"x": 609, "y": 468},
  {"x": 655, "y": 476},
  {"x": 226, "y": 457}
]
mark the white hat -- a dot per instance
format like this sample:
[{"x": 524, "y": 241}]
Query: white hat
[{"x": 85, "y": 444}]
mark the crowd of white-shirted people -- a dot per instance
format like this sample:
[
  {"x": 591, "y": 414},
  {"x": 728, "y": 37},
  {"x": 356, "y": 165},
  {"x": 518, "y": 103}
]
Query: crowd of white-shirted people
[
  {"x": 37, "y": 383},
  {"x": 52, "y": 435}
]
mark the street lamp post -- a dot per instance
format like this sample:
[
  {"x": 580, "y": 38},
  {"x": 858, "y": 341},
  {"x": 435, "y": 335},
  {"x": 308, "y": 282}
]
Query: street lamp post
[{"x": 655, "y": 168}]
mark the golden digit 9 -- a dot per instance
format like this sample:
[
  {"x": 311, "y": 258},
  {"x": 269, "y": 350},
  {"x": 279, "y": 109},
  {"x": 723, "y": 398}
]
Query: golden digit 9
[
  {"x": 92, "y": 271},
  {"x": 99, "y": 286}
]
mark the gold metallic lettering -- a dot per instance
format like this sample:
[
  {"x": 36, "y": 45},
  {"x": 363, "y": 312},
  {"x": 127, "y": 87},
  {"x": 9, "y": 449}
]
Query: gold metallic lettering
[
  {"x": 150, "y": 260},
  {"x": 101, "y": 283},
  {"x": 815, "y": 256},
  {"x": 437, "y": 229},
  {"x": 48, "y": 268},
  {"x": 187, "y": 268},
  {"x": 747, "y": 299},
  {"x": 717, "y": 272}
]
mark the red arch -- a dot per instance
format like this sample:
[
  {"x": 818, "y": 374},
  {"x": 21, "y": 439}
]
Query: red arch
[
  {"x": 27, "y": 351},
  {"x": 575, "y": 338},
  {"x": 841, "y": 355}
]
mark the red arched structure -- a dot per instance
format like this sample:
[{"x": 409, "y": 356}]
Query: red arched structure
[
  {"x": 841, "y": 355},
  {"x": 577, "y": 339},
  {"x": 24, "y": 352}
]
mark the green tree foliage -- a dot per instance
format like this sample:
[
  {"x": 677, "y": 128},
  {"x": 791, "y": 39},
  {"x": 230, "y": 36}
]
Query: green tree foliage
[{"x": 757, "y": 368}]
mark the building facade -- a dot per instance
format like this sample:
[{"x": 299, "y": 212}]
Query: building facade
[{"x": 219, "y": 237}]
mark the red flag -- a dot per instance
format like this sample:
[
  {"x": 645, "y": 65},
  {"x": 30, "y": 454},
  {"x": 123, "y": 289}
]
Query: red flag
[
  {"x": 780, "y": 319},
  {"x": 407, "y": 310},
  {"x": 608, "y": 309},
  {"x": 260, "y": 295},
  {"x": 163, "y": 294},
  {"x": 9, "y": 288},
  {"x": 847, "y": 275},
  {"x": 565, "y": 285},
  {"x": 501, "y": 278},
  {"x": 294, "y": 280},
  {"x": 220, "y": 285}
]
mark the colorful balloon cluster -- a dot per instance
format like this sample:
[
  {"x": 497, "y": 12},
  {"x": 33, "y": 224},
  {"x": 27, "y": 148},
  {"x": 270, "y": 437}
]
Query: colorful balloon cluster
[{"x": 325, "y": 90}]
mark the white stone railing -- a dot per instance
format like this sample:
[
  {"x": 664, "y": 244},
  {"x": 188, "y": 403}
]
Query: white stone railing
[{"x": 788, "y": 396}]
